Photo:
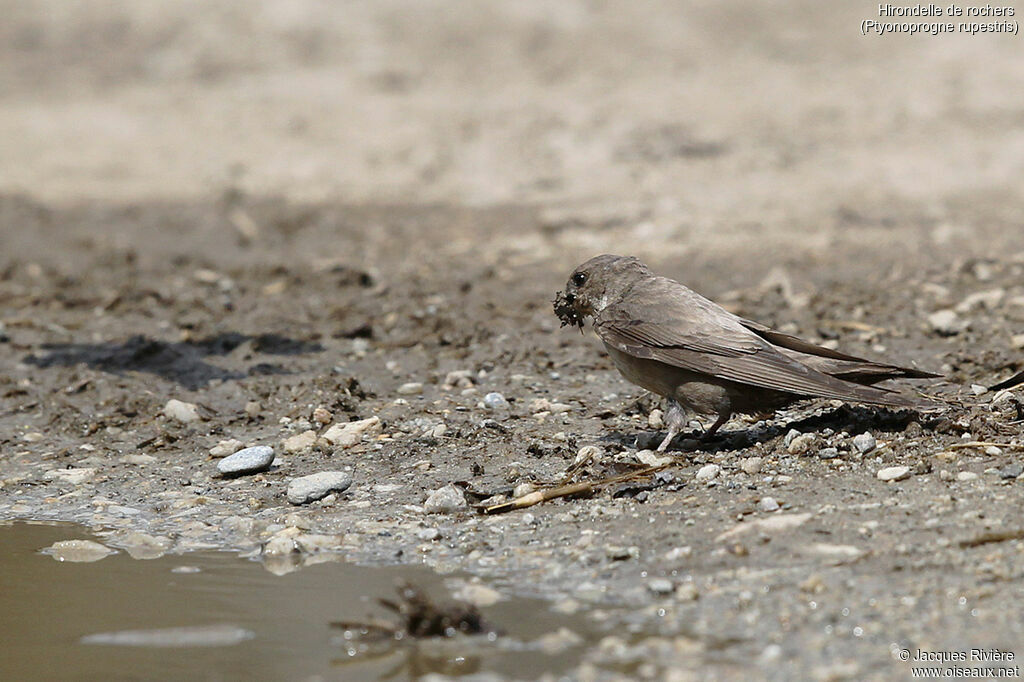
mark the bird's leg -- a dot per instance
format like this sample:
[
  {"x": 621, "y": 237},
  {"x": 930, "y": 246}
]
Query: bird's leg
[
  {"x": 722, "y": 418},
  {"x": 675, "y": 420}
]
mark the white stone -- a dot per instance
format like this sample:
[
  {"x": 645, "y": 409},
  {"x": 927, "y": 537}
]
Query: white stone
[
  {"x": 946, "y": 322},
  {"x": 72, "y": 476},
  {"x": 495, "y": 401},
  {"x": 411, "y": 388},
  {"x": 588, "y": 452},
  {"x": 801, "y": 443},
  {"x": 648, "y": 458},
  {"x": 864, "y": 443},
  {"x": 966, "y": 476},
  {"x": 707, "y": 472},
  {"x": 751, "y": 465},
  {"x": 181, "y": 411},
  {"x": 768, "y": 504},
  {"x": 656, "y": 419},
  {"x": 347, "y": 434},
  {"x": 893, "y": 473}
]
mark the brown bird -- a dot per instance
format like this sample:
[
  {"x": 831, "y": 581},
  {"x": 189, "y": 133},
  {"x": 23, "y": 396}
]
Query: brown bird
[{"x": 676, "y": 343}]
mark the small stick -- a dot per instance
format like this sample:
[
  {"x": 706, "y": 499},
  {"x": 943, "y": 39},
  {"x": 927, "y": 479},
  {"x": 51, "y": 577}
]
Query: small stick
[{"x": 586, "y": 487}]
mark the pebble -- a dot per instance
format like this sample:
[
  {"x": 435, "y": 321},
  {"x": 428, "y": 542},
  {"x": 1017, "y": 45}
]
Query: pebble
[
  {"x": 1017, "y": 341},
  {"x": 495, "y": 401},
  {"x": 661, "y": 586},
  {"x": 428, "y": 534},
  {"x": 864, "y": 443},
  {"x": 447, "y": 499},
  {"x": 588, "y": 452},
  {"x": 801, "y": 443},
  {"x": 768, "y": 504},
  {"x": 993, "y": 451},
  {"x": 226, "y": 447},
  {"x": 828, "y": 453},
  {"x": 648, "y": 458},
  {"x": 181, "y": 411},
  {"x": 707, "y": 472},
  {"x": 751, "y": 465},
  {"x": 32, "y": 437},
  {"x": 317, "y": 486},
  {"x": 299, "y": 443},
  {"x": 252, "y": 409},
  {"x": 946, "y": 322},
  {"x": 347, "y": 434},
  {"x": 247, "y": 461},
  {"x": 411, "y": 388},
  {"x": 78, "y": 551},
  {"x": 523, "y": 489},
  {"x": 1011, "y": 471},
  {"x": 72, "y": 476},
  {"x": 656, "y": 419},
  {"x": 966, "y": 476},
  {"x": 893, "y": 473},
  {"x": 322, "y": 416}
]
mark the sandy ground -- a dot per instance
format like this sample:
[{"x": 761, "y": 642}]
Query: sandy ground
[{"x": 301, "y": 205}]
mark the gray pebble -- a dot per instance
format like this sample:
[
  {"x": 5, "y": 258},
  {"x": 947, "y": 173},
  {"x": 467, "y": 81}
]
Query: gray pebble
[
  {"x": 495, "y": 401},
  {"x": 1011, "y": 471},
  {"x": 446, "y": 499},
  {"x": 247, "y": 461},
  {"x": 428, "y": 534},
  {"x": 864, "y": 443},
  {"x": 317, "y": 486},
  {"x": 768, "y": 504},
  {"x": 828, "y": 453}
]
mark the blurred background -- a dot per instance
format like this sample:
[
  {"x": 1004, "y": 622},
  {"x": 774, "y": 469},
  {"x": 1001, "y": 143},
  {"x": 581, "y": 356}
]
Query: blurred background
[{"x": 697, "y": 125}]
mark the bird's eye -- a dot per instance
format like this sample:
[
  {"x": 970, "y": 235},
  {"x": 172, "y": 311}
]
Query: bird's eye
[{"x": 579, "y": 279}]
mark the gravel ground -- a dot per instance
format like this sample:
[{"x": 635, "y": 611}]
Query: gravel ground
[{"x": 156, "y": 320}]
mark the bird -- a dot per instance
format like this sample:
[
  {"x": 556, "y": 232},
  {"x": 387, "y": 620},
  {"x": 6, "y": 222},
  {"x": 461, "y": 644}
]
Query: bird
[{"x": 674, "y": 342}]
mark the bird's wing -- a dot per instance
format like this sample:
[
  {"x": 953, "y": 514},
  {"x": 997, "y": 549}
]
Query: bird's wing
[
  {"x": 688, "y": 331},
  {"x": 846, "y": 367}
]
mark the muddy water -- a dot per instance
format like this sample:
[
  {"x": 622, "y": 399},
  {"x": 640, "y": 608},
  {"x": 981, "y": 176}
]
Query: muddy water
[{"x": 250, "y": 623}]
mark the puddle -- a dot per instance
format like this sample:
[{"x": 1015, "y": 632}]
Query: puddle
[{"x": 215, "y": 616}]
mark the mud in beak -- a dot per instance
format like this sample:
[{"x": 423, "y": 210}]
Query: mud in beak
[{"x": 566, "y": 311}]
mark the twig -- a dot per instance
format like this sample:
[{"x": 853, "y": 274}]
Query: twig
[{"x": 584, "y": 488}]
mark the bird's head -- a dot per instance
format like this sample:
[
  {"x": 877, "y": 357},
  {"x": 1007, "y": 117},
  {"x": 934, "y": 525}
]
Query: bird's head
[{"x": 595, "y": 284}]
